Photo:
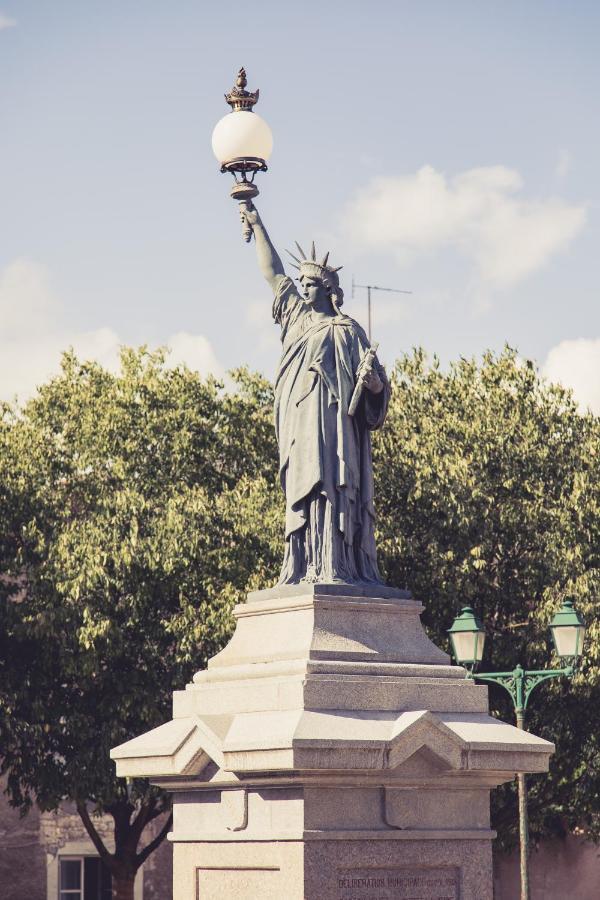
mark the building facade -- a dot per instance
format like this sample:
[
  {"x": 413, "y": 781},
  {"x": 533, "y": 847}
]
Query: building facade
[{"x": 49, "y": 856}]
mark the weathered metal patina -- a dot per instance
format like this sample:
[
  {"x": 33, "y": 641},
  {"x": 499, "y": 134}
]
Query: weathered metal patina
[{"x": 325, "y": 456}]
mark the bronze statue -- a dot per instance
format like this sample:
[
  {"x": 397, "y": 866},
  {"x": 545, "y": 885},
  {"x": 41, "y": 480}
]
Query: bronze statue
[{"x": 324, "y": 451}]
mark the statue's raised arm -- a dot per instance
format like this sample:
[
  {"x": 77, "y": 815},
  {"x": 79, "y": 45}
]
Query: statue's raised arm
[{"x": 269, "y": 260}]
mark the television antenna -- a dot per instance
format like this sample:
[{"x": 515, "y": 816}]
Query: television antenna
[{"x": 374, "y": 287}]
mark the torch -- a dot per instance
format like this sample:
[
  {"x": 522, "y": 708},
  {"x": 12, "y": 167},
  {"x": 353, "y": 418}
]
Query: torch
[{"x": 242, "y": 142}]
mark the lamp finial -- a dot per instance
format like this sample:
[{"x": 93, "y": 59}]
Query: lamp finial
[{"x": 238, "y": 97}]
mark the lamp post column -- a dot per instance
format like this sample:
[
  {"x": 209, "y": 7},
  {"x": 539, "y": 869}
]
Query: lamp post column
[
  {"x": 523, "y": 836},
  {"x": 522, "y": 789},
  {"x": 467, "y": 636},
  {"x": 520, "y": 683}
]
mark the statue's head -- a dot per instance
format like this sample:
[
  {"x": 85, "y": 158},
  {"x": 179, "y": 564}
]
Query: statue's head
[
  {"x": 314, "y": 290},
  {"x": 317, "y": 278}
]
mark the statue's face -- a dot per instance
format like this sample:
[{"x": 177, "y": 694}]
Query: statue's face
[{"x": 315, "y": 292}]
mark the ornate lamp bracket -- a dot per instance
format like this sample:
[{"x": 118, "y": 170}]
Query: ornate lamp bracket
[{"x": 521, "y": 682}]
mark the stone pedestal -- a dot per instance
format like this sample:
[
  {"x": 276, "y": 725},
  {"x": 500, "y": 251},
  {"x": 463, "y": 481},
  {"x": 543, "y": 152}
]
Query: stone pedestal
[{"x": 331, "y": 752}]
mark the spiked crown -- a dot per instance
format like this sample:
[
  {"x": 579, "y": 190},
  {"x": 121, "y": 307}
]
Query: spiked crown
[{"x": 311, "y": 268}]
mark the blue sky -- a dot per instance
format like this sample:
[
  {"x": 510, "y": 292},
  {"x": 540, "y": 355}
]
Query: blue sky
[{"x": 446, "y": 148}]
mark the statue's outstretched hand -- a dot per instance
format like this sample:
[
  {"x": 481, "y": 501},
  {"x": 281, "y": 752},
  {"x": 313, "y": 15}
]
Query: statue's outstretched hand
[{"x": 268, "y": 258}]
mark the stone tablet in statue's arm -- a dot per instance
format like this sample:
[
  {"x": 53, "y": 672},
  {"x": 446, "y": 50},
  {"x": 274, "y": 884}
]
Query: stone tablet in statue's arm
[
  {"x": 371, "y": 395},
  {"x": 376, "y": 405}
]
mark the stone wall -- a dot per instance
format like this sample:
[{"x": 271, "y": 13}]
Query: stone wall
[
  {"x": 29, "y": 847},
  {"x": 158, "y": 870},
  {"x": 65, "y": 827},
  {"x": 558, "y": 869},
  {"x": 22, "y": 856}
]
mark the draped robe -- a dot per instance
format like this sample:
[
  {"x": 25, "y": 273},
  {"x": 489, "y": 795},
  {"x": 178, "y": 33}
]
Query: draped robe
[{"x": 324, "y": 454}]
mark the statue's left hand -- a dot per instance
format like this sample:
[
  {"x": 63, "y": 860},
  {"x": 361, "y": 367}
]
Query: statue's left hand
[{"x": 373, "y": 382}]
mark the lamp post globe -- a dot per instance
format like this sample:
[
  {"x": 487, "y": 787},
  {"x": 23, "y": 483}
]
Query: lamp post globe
[
  {"x": 242, "y": 143},
  {"x": 568, "y": 631},
  {"x": 467, "y": 636},
  {"x": 242, "y": 138}
]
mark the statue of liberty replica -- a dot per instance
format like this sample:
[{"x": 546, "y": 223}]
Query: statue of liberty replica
[
  {"x": 330, "y": 393},
  {"x": 330, "y": 751}
]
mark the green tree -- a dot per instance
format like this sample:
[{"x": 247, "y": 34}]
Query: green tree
[
  {"x": 488, "y": 493},
  {"x": 136, "y": 509},
  {"x": 129, "y": 506}
]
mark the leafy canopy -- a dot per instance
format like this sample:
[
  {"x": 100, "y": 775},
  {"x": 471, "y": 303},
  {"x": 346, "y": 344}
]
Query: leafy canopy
[
  {"x": 488, "y": 493},
  {"x": 128, "y": 513},
  {"x": 137, "y": 508}
]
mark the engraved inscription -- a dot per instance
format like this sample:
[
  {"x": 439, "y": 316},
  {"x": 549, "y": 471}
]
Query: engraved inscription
[
  {"x": 398, "y": 884},
  {"x": 243, "y": 882}
]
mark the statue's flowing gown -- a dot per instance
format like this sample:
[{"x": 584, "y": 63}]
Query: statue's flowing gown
[{"x": 325, "y": 454}]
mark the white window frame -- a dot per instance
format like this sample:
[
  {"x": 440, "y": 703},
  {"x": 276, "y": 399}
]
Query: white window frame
[
  {"x": 71, "y": 893},
  {"x": 78, "y": 850}
]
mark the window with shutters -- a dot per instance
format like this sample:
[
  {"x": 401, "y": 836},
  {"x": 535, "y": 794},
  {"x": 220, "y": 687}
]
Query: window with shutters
[{"x": 83, "y": 878}]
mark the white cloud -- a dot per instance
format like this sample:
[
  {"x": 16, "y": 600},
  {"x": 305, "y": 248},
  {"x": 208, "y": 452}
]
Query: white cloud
[
  {"x": 195, "y": 351},
  {"x": 34, "y": 333},
  {"x": 576, "y": 364},
  {"x": 478, "y": 213},
  {"x": 6, "y": 22}
]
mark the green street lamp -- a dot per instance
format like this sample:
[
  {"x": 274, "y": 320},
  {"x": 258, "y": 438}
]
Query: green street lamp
[
  {"x": 568, "y": 631},
  {"x": 467, "y": 636}
]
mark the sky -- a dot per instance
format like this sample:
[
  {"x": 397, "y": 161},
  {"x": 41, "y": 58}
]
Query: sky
[{"x": 447, "y": 149}]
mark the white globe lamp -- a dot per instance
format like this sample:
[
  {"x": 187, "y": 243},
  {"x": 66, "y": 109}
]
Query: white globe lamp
[
  {"x": 242, "y": 143},
  {"x": 242, "y": 137}
]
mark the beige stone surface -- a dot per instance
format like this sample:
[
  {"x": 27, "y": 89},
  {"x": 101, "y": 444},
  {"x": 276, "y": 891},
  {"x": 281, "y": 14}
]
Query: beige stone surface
[
  {"x": 336, "y": 718},
  {"x": 404, "y": 689},
  {"x": 325, "y": 870},
  {"x": 330, "y": 747},
  {"x": 408, "y": 870},
  {"x": 238, "y": 871},
  {"x": 332, "y": 809},
  {"x": 310, "y": 624},
  {"x": 280, "y": 740}
]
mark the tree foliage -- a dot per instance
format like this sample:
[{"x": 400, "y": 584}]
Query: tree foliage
[
  {"x": 136, "y": 509},
  {"x": 125, "y": 541},
  {"x": 488, "y": 494}
]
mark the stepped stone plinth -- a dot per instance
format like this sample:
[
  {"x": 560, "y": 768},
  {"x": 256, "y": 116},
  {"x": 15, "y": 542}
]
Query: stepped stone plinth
[{"x": 331, "y": 751}]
